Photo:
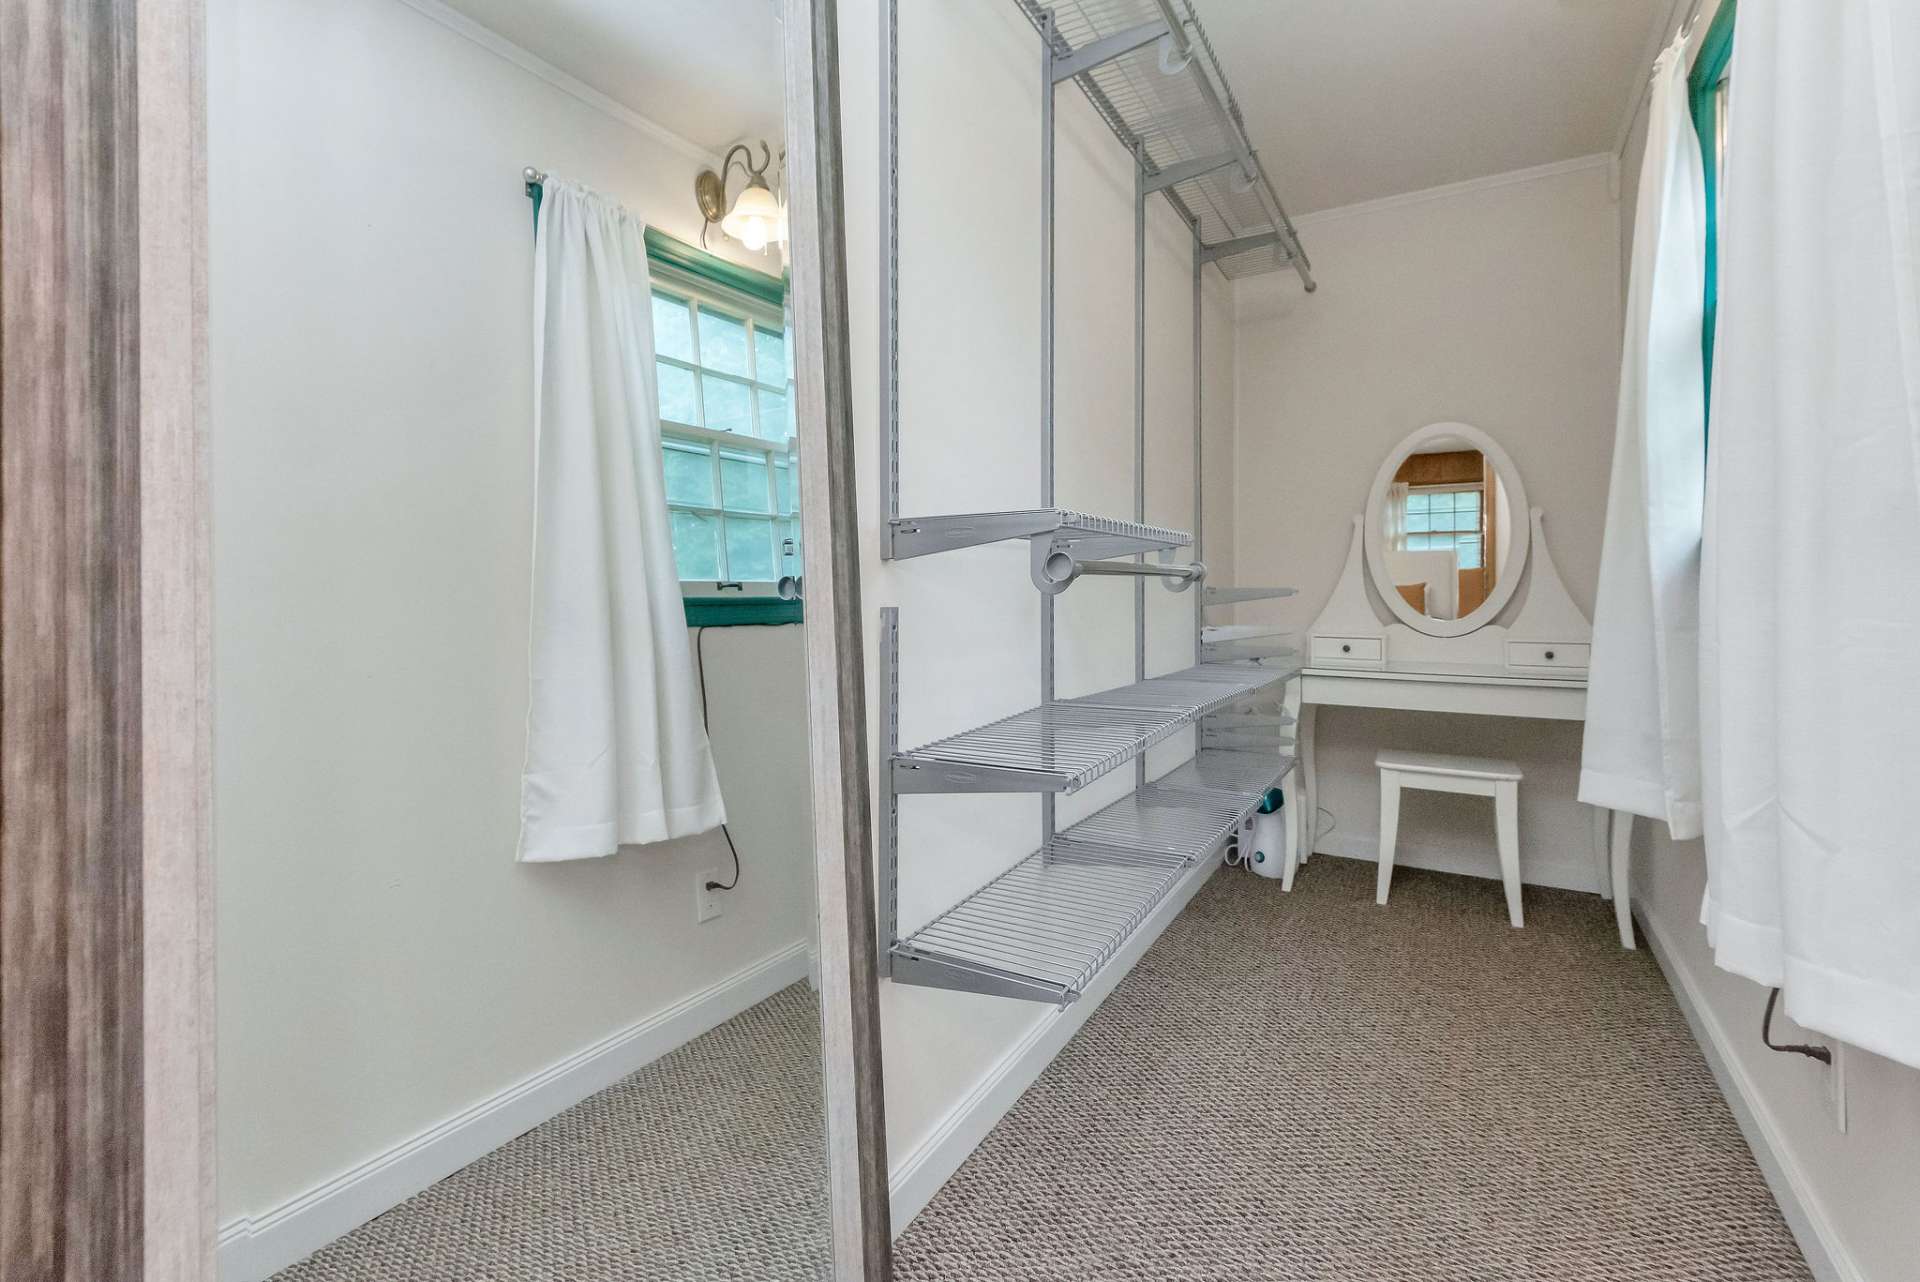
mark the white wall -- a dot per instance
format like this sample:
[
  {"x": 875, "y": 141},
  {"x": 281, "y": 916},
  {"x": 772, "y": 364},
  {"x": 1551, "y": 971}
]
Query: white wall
[
  {"x": 970, "y": 379},
  {"x": 1859, "y": 1188},
  {"x": 383, "y": 962},
  {"x": 1495, "y": 303}
]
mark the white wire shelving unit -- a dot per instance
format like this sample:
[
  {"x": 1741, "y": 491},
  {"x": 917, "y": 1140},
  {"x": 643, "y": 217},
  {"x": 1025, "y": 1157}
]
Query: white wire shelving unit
[{"x": 1044, "y": 928}]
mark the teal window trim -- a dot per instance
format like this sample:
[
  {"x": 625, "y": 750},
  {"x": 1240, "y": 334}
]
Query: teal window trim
[
  {"x": 733, "y": 611},
  {"x": 665, "y": 250},
  {"x": 1709, "y": 69}
]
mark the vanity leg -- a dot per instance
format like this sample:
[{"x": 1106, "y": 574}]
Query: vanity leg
[
  {"x": 1389, "y": 832},
  {"x": 1309, "y": 781},
  {"x": 1622, "y": 873},
  {"x": 1602, "y": 873},
  {"x": 1292, "y": 864}
]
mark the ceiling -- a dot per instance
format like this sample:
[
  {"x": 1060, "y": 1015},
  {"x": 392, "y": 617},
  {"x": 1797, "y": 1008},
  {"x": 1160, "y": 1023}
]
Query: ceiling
[
  {"x": 708, "y": 71},
  {"x": 1352, "y": 100},
  {"x": 1346, "y": 100}
]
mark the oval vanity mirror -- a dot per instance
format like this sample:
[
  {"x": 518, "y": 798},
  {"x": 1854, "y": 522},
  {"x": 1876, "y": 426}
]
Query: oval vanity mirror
[{"x": 1447, "y": 530}]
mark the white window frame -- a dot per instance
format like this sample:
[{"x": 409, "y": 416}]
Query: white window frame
[
  {"x": 776, "y": 454},
  {"x": 1480, "y": 533}
]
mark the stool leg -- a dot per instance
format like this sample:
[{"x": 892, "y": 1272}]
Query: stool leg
[
  {"x": 1389, "y": 831},
  {"x": 1506, "y": 823}
]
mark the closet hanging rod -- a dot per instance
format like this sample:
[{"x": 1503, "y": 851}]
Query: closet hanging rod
[{"x": 1052, "y": 572}]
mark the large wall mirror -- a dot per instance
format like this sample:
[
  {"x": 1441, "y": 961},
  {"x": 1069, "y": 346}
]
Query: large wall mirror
[{"x": 1447, "y": 530}]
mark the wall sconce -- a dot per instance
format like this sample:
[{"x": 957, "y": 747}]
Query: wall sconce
[{"x": 756, "y": 218}]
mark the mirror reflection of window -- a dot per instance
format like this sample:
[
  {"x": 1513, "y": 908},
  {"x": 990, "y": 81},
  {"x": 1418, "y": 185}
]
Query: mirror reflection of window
[{"x": 1444, "y": 532}]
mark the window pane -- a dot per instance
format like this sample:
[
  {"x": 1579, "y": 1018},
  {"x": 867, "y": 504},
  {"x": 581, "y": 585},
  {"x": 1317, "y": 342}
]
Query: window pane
[
  {"x": 696, "y": 546},
  {"x": 1467, "y": 501},
  {"x": 750, "y": 548},
  {"x": 783, "y": 484},
  {"x": 678, "y": 402},
  {"x": 728, "y": 409},
  {"x": 689, "y": 471},
  {"x": 672, "y": 327},
  {"x": 1417, "y": 501},
  {"x": 775, "y": 423},
  {"x": 1465, "y": 522},
  {"x": 770, "y": 356},
  {"x": 1440, "y": 505},
  {"x": 723, "y": 342},
  {"x": 1469, "y": 554},
  {"x": 1418, "y": 521},
  {"x": 743, "y": 482}
]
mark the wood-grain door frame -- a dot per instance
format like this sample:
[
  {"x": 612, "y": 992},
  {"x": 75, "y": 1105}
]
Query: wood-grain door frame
[
  {"x": 836, "y": 673},
  {"x": 106, "y": 1014}
]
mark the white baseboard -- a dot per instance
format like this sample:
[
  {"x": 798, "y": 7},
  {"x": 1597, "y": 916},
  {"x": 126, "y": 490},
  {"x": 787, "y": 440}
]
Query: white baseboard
[
  {"x": 1826, "y": 1255},
  {"x": 1483, "y": 863},
  {"x": 255, "y": 1247},
  {"x": 918, "y": 1175}
]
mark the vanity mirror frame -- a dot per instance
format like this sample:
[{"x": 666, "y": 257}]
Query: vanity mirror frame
[{"x": 1521, "y": 531}]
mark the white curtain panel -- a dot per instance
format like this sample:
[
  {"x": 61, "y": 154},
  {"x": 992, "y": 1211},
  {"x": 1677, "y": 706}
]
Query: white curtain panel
[
  {"x": 617, "y": 752},
  {"x": 1810, "y": 648},
  {"x": 1641, "y": 751}
]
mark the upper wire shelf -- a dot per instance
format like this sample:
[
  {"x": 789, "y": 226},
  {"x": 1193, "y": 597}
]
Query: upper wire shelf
[
  {"x": 1064, "y": 745},
  {"x": 1169, "y": 103},
  {"x": 1088, "y": 536}
]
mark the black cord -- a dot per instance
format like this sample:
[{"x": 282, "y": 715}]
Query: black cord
[
  {"x": 1821, "y": 1053},
  {"x": 700, "y": 649}
]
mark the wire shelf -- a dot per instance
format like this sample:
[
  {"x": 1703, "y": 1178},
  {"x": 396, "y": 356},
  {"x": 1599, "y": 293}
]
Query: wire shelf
[
  {"x": 1044, "y": 928},
  {"x": 1188, "y": 811},
  {"x": 1064, "y": 745},
  {"x": 1170, "y": 118},
  {"x": 1090, "y": 537}
]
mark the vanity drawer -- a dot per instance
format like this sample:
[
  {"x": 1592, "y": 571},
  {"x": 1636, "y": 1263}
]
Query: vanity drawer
[
  {"x": 1548, "y": 654},
  {"x": 1348, "y": 649}
]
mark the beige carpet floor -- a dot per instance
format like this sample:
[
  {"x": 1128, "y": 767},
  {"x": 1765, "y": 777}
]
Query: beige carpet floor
[
  {"x": 1310, "y": 1088},
  {"x": 708, "y": 1165},
  {"x": 1288, "y": 1088}
]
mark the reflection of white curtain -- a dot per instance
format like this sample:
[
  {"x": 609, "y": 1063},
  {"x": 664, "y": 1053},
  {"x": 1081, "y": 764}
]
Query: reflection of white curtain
[
  {"x": 1397, "y": 516},
  {"x": 616, "y": 749},
  {"x": 1810, "y": 609},
  {"x": 1641, "y": 747}
]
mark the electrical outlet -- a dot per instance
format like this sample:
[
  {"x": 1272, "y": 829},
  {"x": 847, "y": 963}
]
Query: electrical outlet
[
  {"x": 708, "y": 904},
  {"x": 1836, "y": 1086}
]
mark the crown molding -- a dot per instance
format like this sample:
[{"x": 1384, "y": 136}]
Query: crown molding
[
  {"x": 1511, "y": 178},
  {"x": 498, "y": 45}
]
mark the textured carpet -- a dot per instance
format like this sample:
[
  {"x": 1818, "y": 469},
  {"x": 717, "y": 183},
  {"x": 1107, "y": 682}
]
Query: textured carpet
[
  {"x": 708, "y": 1165},
  {"x": 1305, "y": 1087}
]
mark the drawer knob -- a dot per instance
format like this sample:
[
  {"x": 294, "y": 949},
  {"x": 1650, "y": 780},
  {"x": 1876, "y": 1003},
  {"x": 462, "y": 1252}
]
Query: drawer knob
[
  {"x": 1549, "y": 654},
  {"x": 1347, "y": 649}
]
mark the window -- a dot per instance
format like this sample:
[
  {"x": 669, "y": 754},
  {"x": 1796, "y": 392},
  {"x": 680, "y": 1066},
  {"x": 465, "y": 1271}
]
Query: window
[
  {"x": 1447, "y": 518},
  {"x": 726, "y": 433}
]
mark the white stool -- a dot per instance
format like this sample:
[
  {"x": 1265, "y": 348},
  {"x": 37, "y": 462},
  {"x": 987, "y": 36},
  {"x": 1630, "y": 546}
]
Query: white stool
[{"x": 1443, "y": 772}]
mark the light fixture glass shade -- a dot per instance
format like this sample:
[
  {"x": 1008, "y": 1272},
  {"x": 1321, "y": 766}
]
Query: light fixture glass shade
[{"x": 756, "y": 219}]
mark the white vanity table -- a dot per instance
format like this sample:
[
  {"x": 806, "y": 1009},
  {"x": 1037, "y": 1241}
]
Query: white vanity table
[{"x": 1534, "y": 666}]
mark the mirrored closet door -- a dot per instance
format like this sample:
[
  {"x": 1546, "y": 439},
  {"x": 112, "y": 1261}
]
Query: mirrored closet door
[{"x": 521, "y": 377}]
